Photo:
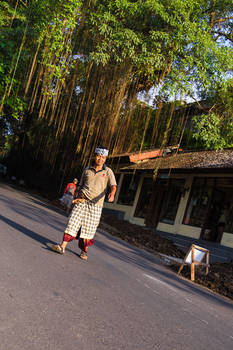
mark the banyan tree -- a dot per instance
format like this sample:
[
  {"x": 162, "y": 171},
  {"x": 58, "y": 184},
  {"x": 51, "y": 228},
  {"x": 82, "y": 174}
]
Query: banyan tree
[{"x": 80, "y": 66}]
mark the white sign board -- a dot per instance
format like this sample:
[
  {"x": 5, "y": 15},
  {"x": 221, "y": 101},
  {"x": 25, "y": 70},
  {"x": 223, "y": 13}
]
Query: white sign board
[
  {"x": 198, "y": 254},
  {"x": 195, "y": 256}
]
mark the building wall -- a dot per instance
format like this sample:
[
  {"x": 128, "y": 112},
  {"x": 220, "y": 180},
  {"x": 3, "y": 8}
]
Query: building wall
[{"x": 178, "y": 227}]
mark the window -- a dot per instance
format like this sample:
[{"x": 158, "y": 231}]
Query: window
[
  {"x": 171, "y": 200},
  {"x": 225, "y": 186},
  {"x": 198, "y": 201},
  {"x": 128, "y": 189},
  {"x": 211, "y": 207},
  {"x": 144, "y": 198},
  {"x": 117, "y": 176}
]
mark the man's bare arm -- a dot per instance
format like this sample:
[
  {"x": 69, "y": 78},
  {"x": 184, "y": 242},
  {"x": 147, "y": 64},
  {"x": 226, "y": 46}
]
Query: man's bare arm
[{"x": 112, "y": 193}]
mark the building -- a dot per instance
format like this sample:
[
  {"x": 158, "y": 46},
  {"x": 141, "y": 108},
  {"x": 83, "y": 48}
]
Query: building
[{"x": 192, "y": 194}]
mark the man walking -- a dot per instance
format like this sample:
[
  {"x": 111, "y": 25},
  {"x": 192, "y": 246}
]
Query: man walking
[{"x": 85, "y": 216}]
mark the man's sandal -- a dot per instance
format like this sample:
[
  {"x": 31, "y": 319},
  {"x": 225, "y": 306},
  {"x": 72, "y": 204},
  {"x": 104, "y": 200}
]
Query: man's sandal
[
  {"x": 83, "y": 256},
  {"x": 58, "y": 249}
]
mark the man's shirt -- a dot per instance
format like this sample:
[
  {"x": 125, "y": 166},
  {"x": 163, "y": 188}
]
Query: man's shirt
[{"x": 94, "y": 184}]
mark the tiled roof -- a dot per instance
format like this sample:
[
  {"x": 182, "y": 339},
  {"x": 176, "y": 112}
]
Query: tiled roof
[{"x": 188, "y": 160}]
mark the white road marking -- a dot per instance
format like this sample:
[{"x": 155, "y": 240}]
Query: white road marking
[
  {"x": 185, "y": 310},
  {"x": 161, "y": 282},
  {"x": 155, "y": 291},
  {"x": 205, "y": 321},
  {"x": 189, "y": 300}
]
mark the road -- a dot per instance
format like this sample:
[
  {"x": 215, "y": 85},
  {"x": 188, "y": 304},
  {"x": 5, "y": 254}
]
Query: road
[{"x": 121, "y": 298}]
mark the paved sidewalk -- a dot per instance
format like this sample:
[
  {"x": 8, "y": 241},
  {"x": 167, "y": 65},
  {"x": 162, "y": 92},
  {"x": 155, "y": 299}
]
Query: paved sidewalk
[{"x": 218, "y": 253}]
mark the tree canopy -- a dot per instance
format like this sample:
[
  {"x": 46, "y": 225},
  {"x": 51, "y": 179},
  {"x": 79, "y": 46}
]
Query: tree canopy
[{"x": 71, "y": 71}]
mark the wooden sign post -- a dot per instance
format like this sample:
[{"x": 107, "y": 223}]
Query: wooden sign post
[{"x": 196, "y": 256}]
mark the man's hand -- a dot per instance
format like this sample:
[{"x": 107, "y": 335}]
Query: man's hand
[
  {"x": 75, "y": 201},
  {"x": 111, "y": 197},
  {"x": 78, "y": 200},
  {"x": 112, "y": 194}
]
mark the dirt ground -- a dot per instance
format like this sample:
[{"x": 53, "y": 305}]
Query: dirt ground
[{"x": 219, "y": 278}]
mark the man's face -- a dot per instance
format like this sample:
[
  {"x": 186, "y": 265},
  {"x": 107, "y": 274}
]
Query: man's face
[{"x": 100, "y": 160}]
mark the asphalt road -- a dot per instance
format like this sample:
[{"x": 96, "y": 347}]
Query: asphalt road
[{"x": 121, "y": 298}]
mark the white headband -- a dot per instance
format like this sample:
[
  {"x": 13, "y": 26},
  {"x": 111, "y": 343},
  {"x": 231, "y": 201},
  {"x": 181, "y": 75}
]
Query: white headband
[{"x": 101, "y": 151}]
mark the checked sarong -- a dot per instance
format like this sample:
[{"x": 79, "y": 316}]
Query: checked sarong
[{"x": 85, "y": 215}]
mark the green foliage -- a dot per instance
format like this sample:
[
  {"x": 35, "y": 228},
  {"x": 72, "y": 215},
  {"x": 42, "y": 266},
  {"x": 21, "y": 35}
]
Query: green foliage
[
  {"x": 23, "y": 26},
  {"x": 55, "y": 27},
  {"x": 10, "y": 39},
  {"x": 171, "y": 36},
  {"x": 207, "y": 130},
  {"x": 181, "y": 42},
  {"x": 7, "y": 12},
  {"x": 53, "y": 46},
  {"x": 219, "y": 122},
  {"x": 212, "y": 132}
]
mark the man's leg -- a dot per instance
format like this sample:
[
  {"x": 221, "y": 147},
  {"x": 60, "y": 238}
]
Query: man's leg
[
  {"x": 83, "y": 244},
  {"x": 60, "y": 248},
  {"x": 73, "y": 227}
]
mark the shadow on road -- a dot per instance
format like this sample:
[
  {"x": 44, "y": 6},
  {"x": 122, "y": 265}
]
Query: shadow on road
[
  {"x": 27, "y": 232},
  {"x": 36, "y": 236},
  {"x": 34, "y": 212}
]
